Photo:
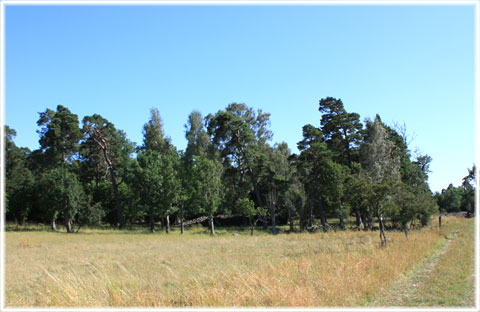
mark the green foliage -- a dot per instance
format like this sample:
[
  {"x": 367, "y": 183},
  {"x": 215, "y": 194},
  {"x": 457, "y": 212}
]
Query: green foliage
[
  {"x": 208, "y": 189},
  {"x": 59, "y": 135},
  {"x": 101, "y": 138},
  {"x": 153, "y": 136},
  {"x": 64, "y": 193},
  {"x": 334, "y": 185},
  {"x": 341, "y": 170},
  {"x": 19, "y": 184},
  {"x": 450, "y": 199},
  {"x": 358, "y": 194},
  {"x": 150, "y": 181},
  {"x": 247, "y": 208},
  {"x": 468, "y": 196},
  {"x": 462, "y": 198},
  {"x": 313, "y": 155},
  {"x": 90, "y": 213},
  {"x": 341, "y": 130},
  {"x": 198, "y": 139},
  {"x": 412, "y": 204},
  {"x": 240, "y": 135},
  {"x": 158, "y": 185}
]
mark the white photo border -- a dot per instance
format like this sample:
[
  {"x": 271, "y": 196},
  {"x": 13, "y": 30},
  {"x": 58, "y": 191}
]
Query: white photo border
[{"x": 4, "y": 3}]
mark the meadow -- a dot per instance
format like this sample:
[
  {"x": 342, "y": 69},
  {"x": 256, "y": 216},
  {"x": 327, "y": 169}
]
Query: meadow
[{"x": 133, "y": 268}]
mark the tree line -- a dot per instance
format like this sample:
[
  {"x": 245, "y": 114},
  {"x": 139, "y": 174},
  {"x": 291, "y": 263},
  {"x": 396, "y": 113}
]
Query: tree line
[{"x": 91, "y": 173}]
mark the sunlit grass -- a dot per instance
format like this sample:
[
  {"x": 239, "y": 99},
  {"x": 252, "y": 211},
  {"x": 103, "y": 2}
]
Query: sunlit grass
[
  {"x": 451, "y": 282},
  {"x": 100, "y": 268}
]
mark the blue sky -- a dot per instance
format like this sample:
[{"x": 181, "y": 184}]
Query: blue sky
[{"x": 409, "y": 64}]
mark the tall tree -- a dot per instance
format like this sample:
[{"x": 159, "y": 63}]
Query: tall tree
[
  {"x": 198, "y": 141},
  {"x": 450, "y": 199},
  {"x": 149, "y": 181},
  {"x": 278, "y": 175},
  {"x": 171, "y": 192},
  {"x": 19, "y": 179},
  {"x": 334, "y": 181},
  {"x": 313, "y": 155},
  {"x": 153, "y": 135},
  {"x": 115, "y": 149},
  {"x": 64, "y": 194},
  {"x": 341, "y": 130},
  {"x": 382, "y": 167},
  {"x": 59, "y": 134},
  {"x": 239, "y": 133},
  {"x": 208, "y": 186},
  {"x": 468, "y": 196}
]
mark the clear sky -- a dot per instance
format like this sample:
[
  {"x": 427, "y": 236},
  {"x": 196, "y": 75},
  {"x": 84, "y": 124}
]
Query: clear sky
[{"x": 409, "y": 64}]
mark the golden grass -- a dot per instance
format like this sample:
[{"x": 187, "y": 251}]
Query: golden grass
[{"x": 115, "y": 269}]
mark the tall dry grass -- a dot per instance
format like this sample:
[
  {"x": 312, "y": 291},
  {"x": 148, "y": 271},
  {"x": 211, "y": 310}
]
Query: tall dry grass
[{"x": 109, "y": 269}]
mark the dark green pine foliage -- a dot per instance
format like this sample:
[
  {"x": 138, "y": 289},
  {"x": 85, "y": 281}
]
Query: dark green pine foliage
[
  {"x": 277, "y": 176},
  {"x": 240, "y": 134},
  {"x": 108, "y": 145},
  {"x": 313, "y": 155},
  {"x": 59, "y": 135},
  {"x": 341, "y": 130},
  {"x": 334, "y": 177},
  {"x": 468, "y": 196},
  {"x": 19, "y": 180}
]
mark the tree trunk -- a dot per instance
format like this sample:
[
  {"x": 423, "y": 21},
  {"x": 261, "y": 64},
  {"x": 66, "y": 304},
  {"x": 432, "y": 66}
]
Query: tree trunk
[
  {"x": 383, "y": 237},
  {"x": 68, "y": 224},
  {"x": 365, "y": 223},
  {"x": 358, "y": 219},
  {"x": 151, "y": 221},
  {"x": 211, "y": 226},
  {"x": 54, "y": 226},
  {"x": 440, "y": 221},
  {"x": 342, "y": 223},
  {"x": 347, "y": 149},
  {"x": 253, "y": 227},
  {"x": 181, "y": 221},
  {"x": 369, "y": 221},
  {"x": 274, "y": 223},
  {"x": 64, "y": 139},
  {"x": 323, "y": 219},
  {"x": 257, "y": 194},
  {"x": 290, "y": 219},
  {"x": 121, "y": 219},
  {"x": 405, "y": 229},
  {"x": 167, "y": 224},
  {"x": 310, "y": 221},
  {"x": 302, "y": 220}
]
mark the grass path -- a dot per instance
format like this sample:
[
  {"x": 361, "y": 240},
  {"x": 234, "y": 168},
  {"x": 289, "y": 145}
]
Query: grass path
[{"x": 444, "y": 278}]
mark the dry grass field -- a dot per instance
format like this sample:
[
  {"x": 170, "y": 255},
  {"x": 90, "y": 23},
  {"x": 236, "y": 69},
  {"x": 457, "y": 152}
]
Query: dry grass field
[{"x": 107, "y": 268}]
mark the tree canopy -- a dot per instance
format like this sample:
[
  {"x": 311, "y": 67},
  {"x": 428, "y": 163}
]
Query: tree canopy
[{"x": 343, "y": 169}]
